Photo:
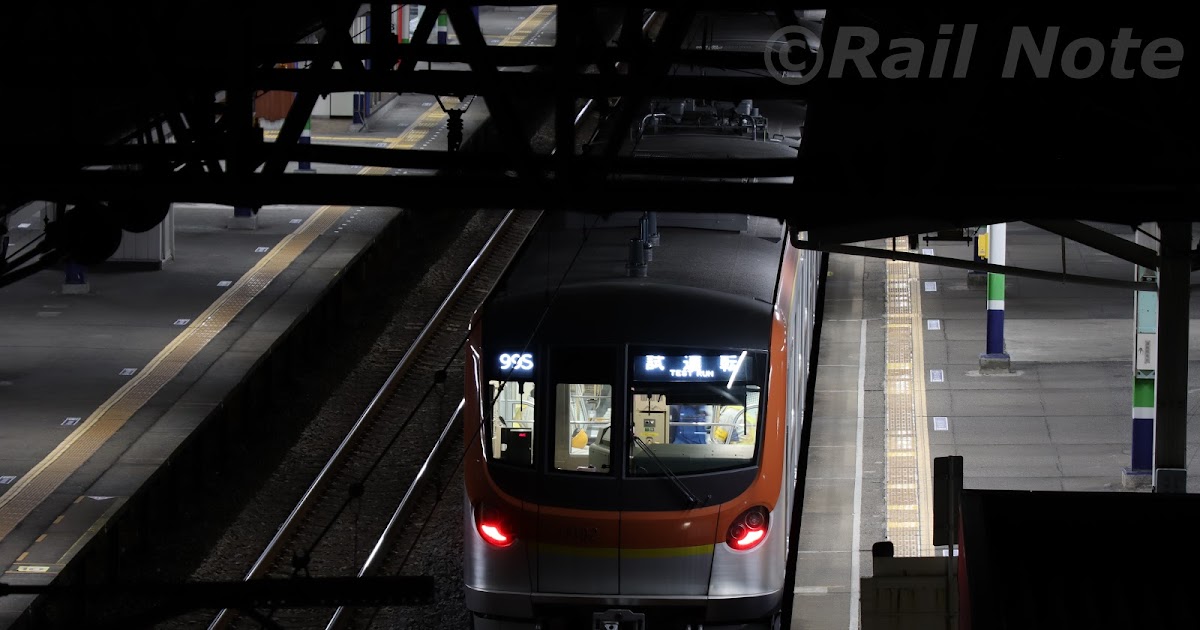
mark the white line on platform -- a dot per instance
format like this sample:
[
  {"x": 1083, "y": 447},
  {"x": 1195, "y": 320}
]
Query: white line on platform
[{"x": 858, "y": 475}]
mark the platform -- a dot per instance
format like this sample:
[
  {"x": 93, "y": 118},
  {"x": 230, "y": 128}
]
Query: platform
[{"x": 1062, "y": 420}]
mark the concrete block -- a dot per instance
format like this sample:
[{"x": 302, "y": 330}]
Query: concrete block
[
  {"x": 1136, "y": 479},
  {"x": 243, "y": 223},
  {"x": 995, "y": 363},
  {"x": 76, "y": 289}
]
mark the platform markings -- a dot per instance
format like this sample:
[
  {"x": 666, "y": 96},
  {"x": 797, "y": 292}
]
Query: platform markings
[
  {"x": 31, "y": 489},
  {"x": 937, "y": 376},
  {"x": 934, "y": 324},
  {"x": 528, "y": 26},
  {"x": 296, "y": 221},
  {"x": 855, "y": 568},
  {"x": 261, "y": 250},
  {"x": 941, "y": 423},
  {"x": 931, "y": 286},
  {"x": 224, "y": 283},
  {"x": 927, "y": 251},
  {"x": 23, "y": 225},
  {"x": 905, "y": 471},
  {"x": 7, "y": 479},
  {"x": 72, "y": 421},
  {"x": 182, "y": 322}
]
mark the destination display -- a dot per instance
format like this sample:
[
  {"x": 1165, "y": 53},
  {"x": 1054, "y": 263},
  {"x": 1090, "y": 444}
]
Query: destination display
[{"x": 728, "y": 368}]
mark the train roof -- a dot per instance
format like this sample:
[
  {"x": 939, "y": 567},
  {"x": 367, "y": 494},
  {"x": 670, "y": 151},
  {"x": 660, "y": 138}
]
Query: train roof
[
  {"x": 708, "y": 268},
  {"x": 733, "y": 254},
  {"x": 711, "y": 145}
]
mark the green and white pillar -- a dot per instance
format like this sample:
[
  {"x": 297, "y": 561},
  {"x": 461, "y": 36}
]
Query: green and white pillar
[
  {"x": 995, "y": 358},
  {"x": 1145, "y": 364},
  {"x": 443, "y": 25}
]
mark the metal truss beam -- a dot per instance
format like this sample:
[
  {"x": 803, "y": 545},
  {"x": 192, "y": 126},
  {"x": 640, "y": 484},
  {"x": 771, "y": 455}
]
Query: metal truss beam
[
  {"x": 306, "y": 99},
  {"x": 810, "y": 208},
  {"x": 537, "y": 84},
  {"x": 1101, "y": 240},
  {"x": 943, "y": 261},
  {"x": 157, "y": 602},
  {"x": 514, "y": 56},
  {"x": 540, "y": 165},
  {"x": 497, "y": 94}
]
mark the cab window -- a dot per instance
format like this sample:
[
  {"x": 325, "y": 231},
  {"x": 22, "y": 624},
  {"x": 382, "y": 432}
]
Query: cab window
[
  {"x": 583, "y": 415},
  {"x": 512, "y": 421}
]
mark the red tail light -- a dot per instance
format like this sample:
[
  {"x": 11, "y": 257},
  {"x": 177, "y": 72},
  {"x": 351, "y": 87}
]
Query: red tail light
[
  {"x": 494, "y": 526},
  {"x": 748, "y": 529}
]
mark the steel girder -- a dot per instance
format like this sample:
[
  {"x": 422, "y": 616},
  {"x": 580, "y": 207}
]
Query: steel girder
[{"x": 844, "y": 170}]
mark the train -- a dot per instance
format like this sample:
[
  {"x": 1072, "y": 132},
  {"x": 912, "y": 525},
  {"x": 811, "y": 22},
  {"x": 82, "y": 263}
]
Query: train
[{"x": 634, "y": 396}]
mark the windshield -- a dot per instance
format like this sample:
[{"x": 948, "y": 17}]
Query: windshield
[
  {"x": 510, "y": 421},
  {"x": 696, "y": 412}
]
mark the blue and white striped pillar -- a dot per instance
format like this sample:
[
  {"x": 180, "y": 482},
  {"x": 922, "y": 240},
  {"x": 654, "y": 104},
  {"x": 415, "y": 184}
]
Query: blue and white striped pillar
[
  {"x": 995, "y": 357},
  {"x": 443, "y": 25},
  {"x": 306, "y": 138}
]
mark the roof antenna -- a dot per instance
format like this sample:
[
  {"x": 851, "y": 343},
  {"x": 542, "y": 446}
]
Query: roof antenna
[
  {"x": 644, "y": 225},
  {"x": 636, "y": 267}
]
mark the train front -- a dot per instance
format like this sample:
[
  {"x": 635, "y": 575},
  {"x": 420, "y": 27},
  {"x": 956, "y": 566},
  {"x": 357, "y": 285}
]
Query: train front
[{"x": 626, "y": 448}]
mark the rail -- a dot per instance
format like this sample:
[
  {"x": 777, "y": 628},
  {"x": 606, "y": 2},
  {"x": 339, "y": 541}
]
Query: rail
[{"x": 321, "y": 482}]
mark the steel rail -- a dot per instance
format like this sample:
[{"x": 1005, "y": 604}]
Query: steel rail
[
  {"x": 403, "y": 511},
  {"x": 321, "y": 482}
]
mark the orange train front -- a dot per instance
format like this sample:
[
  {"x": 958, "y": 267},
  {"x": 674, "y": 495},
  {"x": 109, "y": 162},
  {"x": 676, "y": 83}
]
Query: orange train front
[
  {"x": 631, "y": 441},
  {"x": 632, "y": 431}
]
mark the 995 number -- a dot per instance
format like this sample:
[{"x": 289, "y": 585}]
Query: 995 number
[{"x": 516, "y": 361}]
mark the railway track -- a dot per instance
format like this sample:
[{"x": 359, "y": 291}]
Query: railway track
[{"x": 336, "y": 526}]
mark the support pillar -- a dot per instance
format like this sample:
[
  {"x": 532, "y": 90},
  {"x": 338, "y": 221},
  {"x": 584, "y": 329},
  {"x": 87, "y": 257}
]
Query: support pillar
[
  {"x": 1139, "y": 474},
  {"x": 976, "y": 278},
  {"x": 443, "y": 28},
  {"x": 306, "y": 138},
  {"x": 244, "y": 218},
  {"x": 403, "y": 30},
  {"x": 365, "y": 98},
  {"x": 1170, "y": 414},
  {"x": 76, "y": 281},
  {"x": 995, "y": 359}
]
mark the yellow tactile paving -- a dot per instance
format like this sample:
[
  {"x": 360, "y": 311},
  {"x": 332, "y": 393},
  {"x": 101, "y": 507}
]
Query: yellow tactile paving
[
  {"x": 529, "y": 26},
  {"x": 29, "y": 491},
  {"x": 907, "y": 471},
  {"x": 43, "y": 479}
]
